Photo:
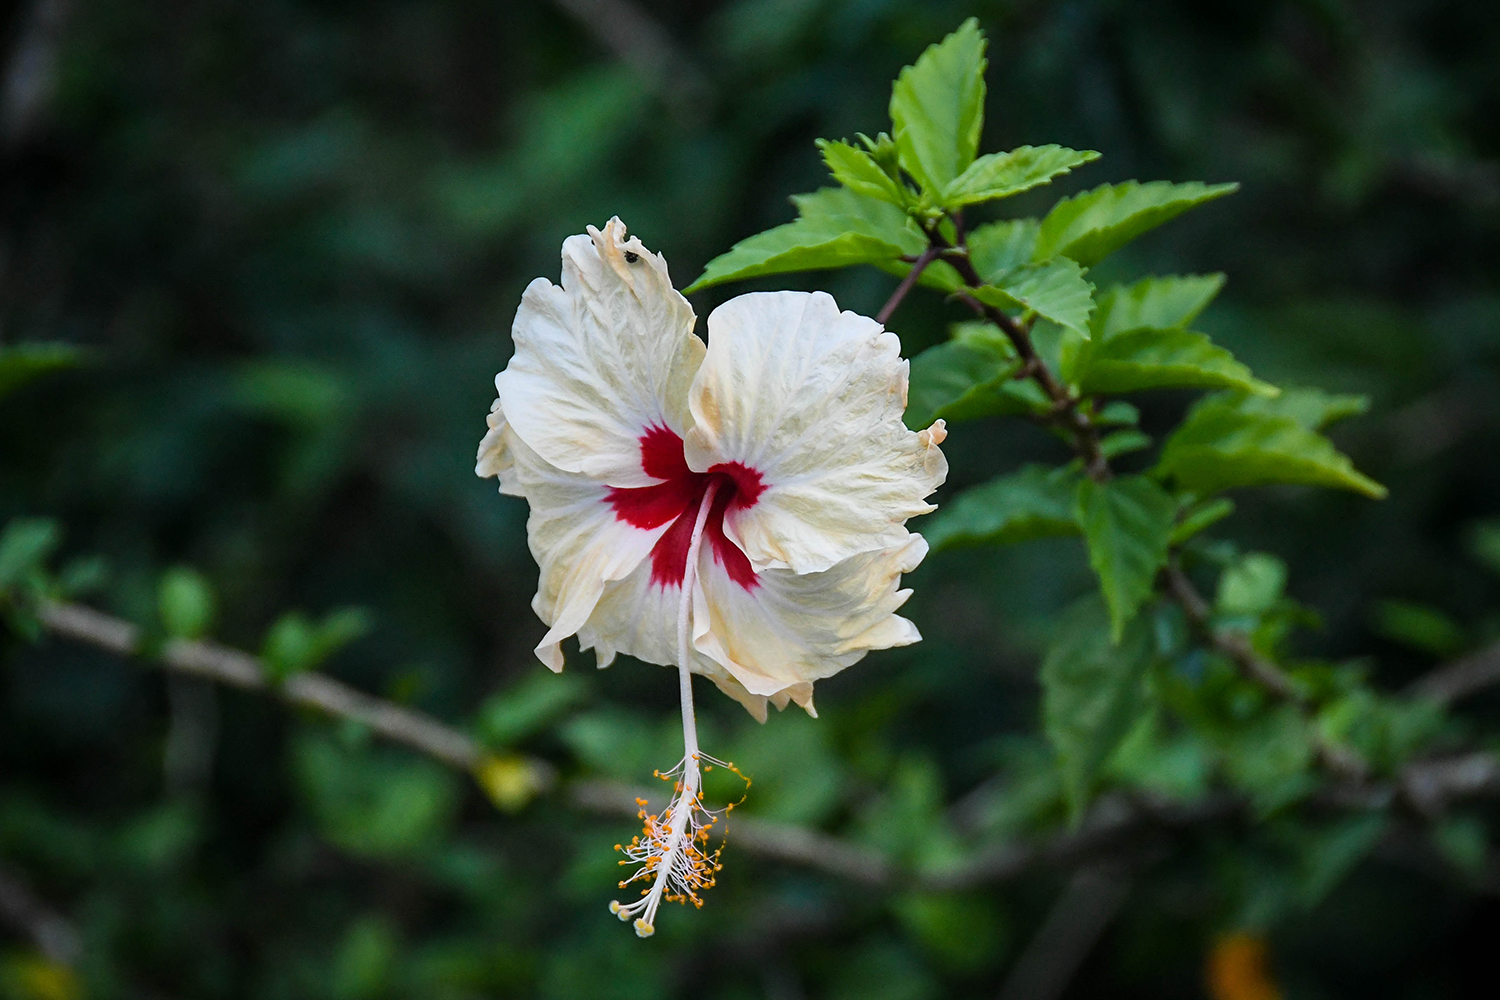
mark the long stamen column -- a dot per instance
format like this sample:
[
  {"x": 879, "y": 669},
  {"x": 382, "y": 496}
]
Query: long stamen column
[{"x": 671, "y": 845}]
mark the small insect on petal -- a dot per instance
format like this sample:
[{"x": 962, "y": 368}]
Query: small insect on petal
[{"x": 631, "y": 256}]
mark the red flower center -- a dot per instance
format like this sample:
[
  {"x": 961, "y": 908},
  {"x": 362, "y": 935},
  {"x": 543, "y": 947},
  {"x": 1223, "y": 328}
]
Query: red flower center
[{"x": 676, "y": 500}]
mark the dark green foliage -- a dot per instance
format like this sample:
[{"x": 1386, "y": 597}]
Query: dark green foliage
[{"x": 287, "y": 241}]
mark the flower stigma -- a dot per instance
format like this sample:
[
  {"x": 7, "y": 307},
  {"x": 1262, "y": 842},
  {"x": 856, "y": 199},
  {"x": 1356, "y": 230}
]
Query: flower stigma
[{"x": 672, "y": 848}]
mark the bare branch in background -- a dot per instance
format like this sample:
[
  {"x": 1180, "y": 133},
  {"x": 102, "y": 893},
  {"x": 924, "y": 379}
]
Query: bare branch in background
[
  {"x": 1114, "y": 825},
  {"x": 24, "y": 911},
  {"x": 31, "y": 72},
  {"x": 240, "y": 669},
  {"x": 644, "y": 45},
  {"x": 1073, "y": 927},
  {"x": 1461, "y": 678}
]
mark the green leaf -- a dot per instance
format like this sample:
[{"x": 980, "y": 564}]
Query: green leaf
[
  {"x": 1124, "y": 442},
  {"x": 1312, "y": 408},
  {"x": 186, "y": 603},
  {"x": 1222, "y": 444},
  {"x": 1127, "y": 523},
  {"x": 858, "y": 171},
  {"x": 1092, "y": 693},
  {"x": 1163, "y": 302},
  {"x": 1090, "y": 226},
  {"x": 994, "y": 249},
  {"x": 20, "y": 363},
  {"x": 937, "y": 108},
  {"x": 1000, "y": 175},
  {"x": 1268, "y": 757},
  {"x": 1035, "y": 502},
  {"x": 837, "y": 228},
  {"x": 1484, "y": 544},
  {"x": 1419, "y": 626},
  {"x": 1201, "y": 518},
  {"x": 295, "y": 643},
  {"x": 960, "y": 380},
  {"x": 25, "y": 547},
  {"x": 525, "y": 708},
  {"x": 1251, "y": 585},
  {"x": 1154, "y": 358},
  {"x": 1056, "y": 290}
]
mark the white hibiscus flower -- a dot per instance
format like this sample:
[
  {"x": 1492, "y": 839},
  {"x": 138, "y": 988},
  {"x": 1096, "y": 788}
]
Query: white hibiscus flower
[{"x": 737, "y": 510}]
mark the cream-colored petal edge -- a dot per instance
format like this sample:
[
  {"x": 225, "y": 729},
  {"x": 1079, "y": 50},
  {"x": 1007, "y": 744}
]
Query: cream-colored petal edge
[
  {"x": 811, "y": 398},
  {"x": 601, "y": 358}
]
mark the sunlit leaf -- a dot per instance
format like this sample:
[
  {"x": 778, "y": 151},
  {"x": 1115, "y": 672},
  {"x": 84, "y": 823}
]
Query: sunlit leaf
[
  {"x": 1090, "y": 226},
  {"x": 857, "y": 170},
  {"x": 1000, "y": 175},
  {"x": 1153, "y": 358},
  {"x": 1162, "y": 302},
  {"x": 937, "y": 108},
  {"x": 1056, "y": 290},
  {"x": 837, "y": 228},
  {"x": 1221, "y": 445}
]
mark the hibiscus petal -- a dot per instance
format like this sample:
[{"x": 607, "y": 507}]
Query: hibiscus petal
[
  {"x": 578, "y": 543},
  {"x": 811, "y": 399},
  {"x": 769, "y": 642},
  {"x": 601, "y": 359},
  {"x": 495, "y": 455},
  {"x": 777, "y": 638}
]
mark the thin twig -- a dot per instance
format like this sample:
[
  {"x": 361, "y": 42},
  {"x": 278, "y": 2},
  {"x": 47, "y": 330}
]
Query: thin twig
[
  {"x": 1459, "y": 679},
  {"x": 1115, "y": 822},
  {"x": 1236, "y": 646},
  {"x": 239, "y": 669},
  {"x": 928, "y": 256},
  {"x": 24, "y": 911},
  {"x": 1072, "y": 927}
]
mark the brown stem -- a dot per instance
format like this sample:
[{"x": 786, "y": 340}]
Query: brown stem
[
  {"x": 1236, "y": 646},
  {"x": 928, "y": 256},
  {"x": 1065, "y": 411}
]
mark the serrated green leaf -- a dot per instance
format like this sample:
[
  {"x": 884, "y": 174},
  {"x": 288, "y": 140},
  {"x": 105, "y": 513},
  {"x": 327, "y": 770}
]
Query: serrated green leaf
[
  {"x": 1000, "y": 175},
  {"x": 959, "y": 380},
  {"x": 837, "y": 228},
  {"x": 20, "y": 363},
  {"x": 1127, "y": 523},
  {"x": 1155, "y": 358},
  {"x": 1035, "y": 502},
  {"x": 1312, "y": 408},
  {"x": 1220, "y": 446},
  {"x": 1056, "y": 290},
  {"x": 1090, "y": 226},
  {"x": 1093, "y": 693},
  {"x": 186, "y": 603},
  {"x": 937, "y": 108},
  {"x": 1162, "y": 302},
  {"x": 857, "y": 170},
  {"x": 1201, "y": 518}
]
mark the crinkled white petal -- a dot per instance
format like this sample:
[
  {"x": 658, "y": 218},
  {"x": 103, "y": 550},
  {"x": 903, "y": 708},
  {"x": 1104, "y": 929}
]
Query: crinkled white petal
[
  {"x": 495, "y": 456},
  {"x": 601, "y": 359},
  {"x": 812, "y": 399},
  {"x": 579, "y": 544},
  {"x": 770, "y": 642}
]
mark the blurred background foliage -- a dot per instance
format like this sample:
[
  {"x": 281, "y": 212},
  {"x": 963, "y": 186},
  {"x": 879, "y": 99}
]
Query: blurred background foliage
[{"x": 288, "y": 239}]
